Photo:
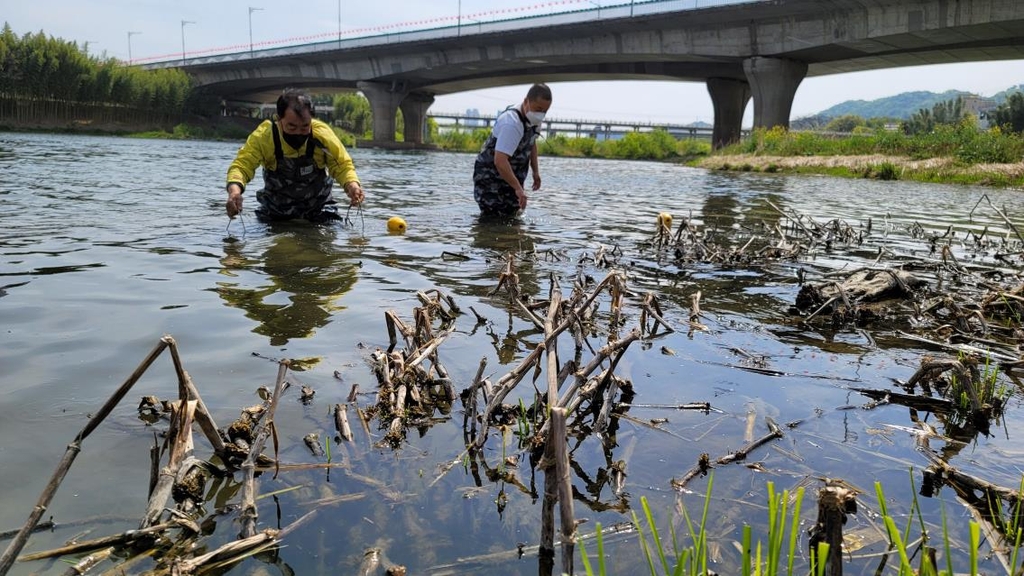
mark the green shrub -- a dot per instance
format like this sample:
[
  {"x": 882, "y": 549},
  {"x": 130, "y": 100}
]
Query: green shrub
[
  {"x": 887, "y": 171},
  {"x": 347, "y": 138}
]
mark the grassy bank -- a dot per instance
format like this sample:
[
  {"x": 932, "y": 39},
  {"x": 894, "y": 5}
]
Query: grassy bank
[{"x": 950, "y": 154}]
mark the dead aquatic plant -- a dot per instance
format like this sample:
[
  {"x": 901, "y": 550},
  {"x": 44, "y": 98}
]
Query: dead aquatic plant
[
  {"x": 414, "y": 389},
  {"x": 182, "y": 479},
  {"x": 976, "y": 398}
]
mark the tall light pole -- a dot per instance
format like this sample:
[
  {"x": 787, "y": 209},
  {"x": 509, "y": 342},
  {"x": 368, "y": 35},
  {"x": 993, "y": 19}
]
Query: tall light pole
[
  {"x": 339, "y": 23},
  {"x": 251, "y": 10},
  {"x": 130, "y": 34},
  {"x": 183, "y": 23},
  {"x": 459, "y": 21}
]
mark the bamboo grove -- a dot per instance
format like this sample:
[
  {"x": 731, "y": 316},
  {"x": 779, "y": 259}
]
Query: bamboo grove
[{"x": 47, "y": 78}]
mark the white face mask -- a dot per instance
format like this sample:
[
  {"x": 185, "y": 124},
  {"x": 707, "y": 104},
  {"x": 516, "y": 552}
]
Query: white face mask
[{"x": 535, "y": 118}]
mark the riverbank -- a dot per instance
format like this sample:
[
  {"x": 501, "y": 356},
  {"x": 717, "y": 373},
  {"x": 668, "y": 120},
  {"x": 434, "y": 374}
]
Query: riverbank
[
  {"x": 960, "y": 154},
  {"x": 874, "y": 166},
  {"x": 194, "y": 128}
]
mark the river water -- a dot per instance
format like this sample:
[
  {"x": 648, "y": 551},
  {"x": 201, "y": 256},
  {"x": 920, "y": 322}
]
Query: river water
[{"x": 106, "y": 244}]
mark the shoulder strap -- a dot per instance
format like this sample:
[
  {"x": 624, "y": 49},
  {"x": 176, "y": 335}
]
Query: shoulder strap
[{"x": 519, "y": 113}]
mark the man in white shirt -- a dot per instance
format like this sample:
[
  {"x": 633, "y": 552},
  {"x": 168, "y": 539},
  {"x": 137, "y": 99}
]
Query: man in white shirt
[{"x": 499, "y": 173}]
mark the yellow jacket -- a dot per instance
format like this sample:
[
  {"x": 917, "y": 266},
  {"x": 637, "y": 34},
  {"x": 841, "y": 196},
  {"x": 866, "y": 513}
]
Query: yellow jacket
[{"x": 258, "y": 150}]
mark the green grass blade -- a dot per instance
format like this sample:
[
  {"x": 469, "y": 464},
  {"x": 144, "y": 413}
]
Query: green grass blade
[
  {"x": 975, "y": 542},
  {"x": 702, "y": 549},
  {"x": 894, "y": 537},
  {"x": 643, "y": 542},
  {"x": 654, "y": 533},
  {"x": 794, "y": 530},
  {"x": 773, "y": 513},
  {"x": 822, "y": 558},
  {"x": 583, "y": 553},
  {"x": 745, "y": 558},
  {"x": 945, "y": 539}
]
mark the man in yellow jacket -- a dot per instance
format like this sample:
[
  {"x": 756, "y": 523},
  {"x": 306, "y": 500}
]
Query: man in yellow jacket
[{"x": 301, "y": 158}]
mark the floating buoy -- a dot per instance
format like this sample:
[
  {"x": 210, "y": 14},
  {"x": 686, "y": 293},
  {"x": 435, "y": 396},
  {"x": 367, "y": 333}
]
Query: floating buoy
[
  {"x": 396, "y": 225},
  {"x": 665, "y": 220}
]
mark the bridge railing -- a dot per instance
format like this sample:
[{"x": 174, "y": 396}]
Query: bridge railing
[
  {"x": 578, "y": 127},
  {"x": 464, "y": 26}
]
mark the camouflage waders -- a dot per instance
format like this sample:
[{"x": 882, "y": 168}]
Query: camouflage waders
[
  {"x": 494, "y": 196},
  {"x": 297, "y": 188}
]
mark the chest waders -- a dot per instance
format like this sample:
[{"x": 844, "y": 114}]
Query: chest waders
[
  {"x": 494, "y": 195},
  {"x": 297, "y": 188}
]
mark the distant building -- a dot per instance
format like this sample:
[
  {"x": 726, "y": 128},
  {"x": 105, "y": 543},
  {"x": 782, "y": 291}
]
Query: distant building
[
  {"x": 473, "y": 119},
  {"x": 979, "y": 106}
]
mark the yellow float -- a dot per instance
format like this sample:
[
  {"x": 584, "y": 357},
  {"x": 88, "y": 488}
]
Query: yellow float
[
  {"x": 665, "y": 220},
  {"x": 396, "y": 225}
]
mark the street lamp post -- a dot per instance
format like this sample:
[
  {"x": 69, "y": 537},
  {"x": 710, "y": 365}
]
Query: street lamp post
[
  {"x": 130, "y": 34},
  {"x": 339, "y": 23},
  {"x": 183, "y": 23},
  {"x": 459, "y": 21},
  {"x": 251, "y": 10}
]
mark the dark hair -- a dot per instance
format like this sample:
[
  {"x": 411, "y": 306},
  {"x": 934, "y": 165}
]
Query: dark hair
[
  {"x": 539, "y": 92},
  {"x": 295, "y": 100}
]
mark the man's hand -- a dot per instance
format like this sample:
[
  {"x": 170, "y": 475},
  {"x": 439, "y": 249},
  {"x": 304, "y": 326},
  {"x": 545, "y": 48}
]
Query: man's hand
[
  {"x": 354, "y": 190},
  {"x": 536, "y": 181},
  {"x": 234, "y": 203},
  {"x": 521, "y": 195}
]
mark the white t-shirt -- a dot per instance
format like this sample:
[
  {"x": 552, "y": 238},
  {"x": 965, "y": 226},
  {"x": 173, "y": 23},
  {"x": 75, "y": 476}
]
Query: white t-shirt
[{"x": 508, "y": 130}]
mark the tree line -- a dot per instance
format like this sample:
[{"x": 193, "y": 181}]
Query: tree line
[
  {"x": 1007, "y": 117},
  {"x": 36, "y": 69}
]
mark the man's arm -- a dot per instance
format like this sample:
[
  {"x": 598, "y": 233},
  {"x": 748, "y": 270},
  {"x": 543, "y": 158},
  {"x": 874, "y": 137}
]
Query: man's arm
[
  {"x": 243, "y": 167},
  {"x": 505, "y": 171},
  {"x": 535, "y": 167},
  {"x": 339, "y": 164}
]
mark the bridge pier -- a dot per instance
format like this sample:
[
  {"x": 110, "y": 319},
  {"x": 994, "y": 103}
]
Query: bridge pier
[
  {"x": 414, "y": 112},
  {"x": 384, "y": 100},
  {"x": 729, "y": 98},
  {"x": 773, "y": 82}
]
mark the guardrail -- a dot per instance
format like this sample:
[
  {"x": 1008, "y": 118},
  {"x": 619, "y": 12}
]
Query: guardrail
[
  {"x": 579, "y": 127},
  {"x": 463, "y": 25}
]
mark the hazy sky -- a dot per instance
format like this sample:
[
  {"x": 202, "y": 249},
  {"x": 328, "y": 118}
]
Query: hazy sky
[{"x": 105, "y": 24}]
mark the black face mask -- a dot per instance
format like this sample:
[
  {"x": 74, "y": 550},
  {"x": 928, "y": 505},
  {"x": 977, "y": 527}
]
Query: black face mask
[{"x": 295, "y": 140}]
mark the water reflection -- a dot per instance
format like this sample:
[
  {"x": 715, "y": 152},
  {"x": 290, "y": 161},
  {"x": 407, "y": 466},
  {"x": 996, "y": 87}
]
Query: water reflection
[
  {"x": 306, "y": 274},
  {"x": 719, "y": 212},
  {"x": 503, "y": 238}
]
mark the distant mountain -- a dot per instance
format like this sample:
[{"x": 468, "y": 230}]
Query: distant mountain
[
  {"x": 1000, "y": 97},
  {"x": 699, "y": 124},
  {"x": 899, "y": 106}
]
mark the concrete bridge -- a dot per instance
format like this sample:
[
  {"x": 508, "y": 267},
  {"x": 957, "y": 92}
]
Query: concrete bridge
[{"x": 741, "y": 49}]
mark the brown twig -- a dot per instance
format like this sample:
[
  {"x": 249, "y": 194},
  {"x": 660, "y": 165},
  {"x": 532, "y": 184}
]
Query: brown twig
[
  {"x": 249, "y": 513},
  {"x": 7, "y": 559}
]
